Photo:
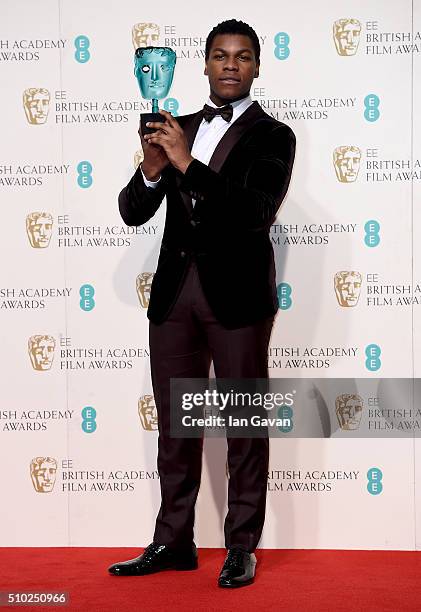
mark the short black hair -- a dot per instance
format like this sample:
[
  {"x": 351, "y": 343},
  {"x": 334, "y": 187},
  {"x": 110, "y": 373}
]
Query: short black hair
[{"x": 232, "y": 26}]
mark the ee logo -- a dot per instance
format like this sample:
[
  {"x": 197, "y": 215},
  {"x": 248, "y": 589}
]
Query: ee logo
[
  {"x": 171, "y": 105},
  {"x": 373, "y": 352},
  {"x": 284, "y": 296},
  {"x": 282, "y": 49},
  {"x": 82, "y": 54},
  {"x": 84, "y": 171},
  {"x": 285, "y": 412},
  {"x": 87, "y": 301},
  {"x": 372, "y": 229},
  {"x": 88, "y": 419},
  {"x": 371, "y": 104},
  {"x": 374, "y": 484}
]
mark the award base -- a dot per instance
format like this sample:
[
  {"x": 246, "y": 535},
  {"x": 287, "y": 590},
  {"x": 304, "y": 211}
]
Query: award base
[{"x": 145, "y": 117}]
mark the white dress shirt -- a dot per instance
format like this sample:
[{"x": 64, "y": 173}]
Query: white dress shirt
[{"x": 209, "y": 134}]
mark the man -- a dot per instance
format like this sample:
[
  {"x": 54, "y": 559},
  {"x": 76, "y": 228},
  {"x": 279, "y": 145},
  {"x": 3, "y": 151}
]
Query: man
[{"x": 225, "y": 171}]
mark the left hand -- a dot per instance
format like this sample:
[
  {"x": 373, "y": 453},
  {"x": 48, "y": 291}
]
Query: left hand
[{"x": 172, "y": 139}]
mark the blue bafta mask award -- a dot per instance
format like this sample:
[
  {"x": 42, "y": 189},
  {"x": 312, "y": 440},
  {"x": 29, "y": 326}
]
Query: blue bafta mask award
[{"x": 154, "y": 71}]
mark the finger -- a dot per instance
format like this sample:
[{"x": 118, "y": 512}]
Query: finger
[
  {"x": 161, "y": 138},
  {"x": 159, "y": 131},
  {"x": 154, "y": 139},
  {"x": 172, "y": 122},
  {"x": 157, "y": 125},
  {"x": 165, "y": 113}
]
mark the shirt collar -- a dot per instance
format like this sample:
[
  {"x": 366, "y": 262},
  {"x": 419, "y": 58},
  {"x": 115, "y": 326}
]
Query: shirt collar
[{"x": 239, "y": 106}]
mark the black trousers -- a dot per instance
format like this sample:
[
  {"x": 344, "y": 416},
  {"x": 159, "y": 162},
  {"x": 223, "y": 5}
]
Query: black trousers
[{"x": 183, "y": 347}]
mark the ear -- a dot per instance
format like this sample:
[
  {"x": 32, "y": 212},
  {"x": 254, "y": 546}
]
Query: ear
[
  {"x": 206, "y": 70},
  {"x": 256, "y": 72}
]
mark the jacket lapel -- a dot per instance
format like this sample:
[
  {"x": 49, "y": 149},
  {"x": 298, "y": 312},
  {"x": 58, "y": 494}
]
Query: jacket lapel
[
  {"x": 190, "y": 131},
  {"x": 191, "y": 127},
  {"x": 224, "y": 147}
]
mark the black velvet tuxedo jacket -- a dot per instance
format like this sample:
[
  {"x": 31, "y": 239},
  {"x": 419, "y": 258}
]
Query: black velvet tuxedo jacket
[{"x": 227, "y": 232}]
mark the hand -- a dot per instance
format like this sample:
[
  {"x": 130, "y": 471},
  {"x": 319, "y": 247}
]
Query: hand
[
  {"x": 154, "y": 159},
  {"x": 173, "y": 141}
]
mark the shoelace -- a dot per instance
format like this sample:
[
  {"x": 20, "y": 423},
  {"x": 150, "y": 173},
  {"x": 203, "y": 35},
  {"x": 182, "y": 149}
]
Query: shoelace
[
  {"x": 234, "y": 558},
  {"x": 150, "y": 551}
]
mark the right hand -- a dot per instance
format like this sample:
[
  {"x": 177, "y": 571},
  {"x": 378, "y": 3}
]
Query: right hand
[{"x": 155, "y": 159}]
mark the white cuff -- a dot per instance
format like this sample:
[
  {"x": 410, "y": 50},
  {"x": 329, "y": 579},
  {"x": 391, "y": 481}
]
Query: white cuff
[{"x": 148, "y": 183}]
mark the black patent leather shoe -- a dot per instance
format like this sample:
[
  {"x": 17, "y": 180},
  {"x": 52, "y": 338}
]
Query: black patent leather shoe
[
  {"x": 156, "y": 557},
  {"x": 238, "y": 570}
]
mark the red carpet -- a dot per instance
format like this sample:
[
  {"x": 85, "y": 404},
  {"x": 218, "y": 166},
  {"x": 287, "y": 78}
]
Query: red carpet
[{"x": 309, "y": 580}]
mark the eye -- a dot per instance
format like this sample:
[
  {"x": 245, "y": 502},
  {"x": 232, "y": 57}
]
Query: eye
[
  {"x": 146, "y": 68},
  {"x": 219, "y": 56}
]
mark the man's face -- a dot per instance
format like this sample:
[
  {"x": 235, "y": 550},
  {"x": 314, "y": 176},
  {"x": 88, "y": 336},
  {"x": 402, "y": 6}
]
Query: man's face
[
  {"x": 347, "y": 165},
  {"x": 36, "y": 107},
  {"x": 154, "y": 73},
  {"x": 149, "y": 37},
  {"x": 347, "y": 37},
  {"x": 148, "y": 413},
  {"x": 39, "y": 231},
  {"x": 350, "y": 412},
  {"x": 143, "y": 287},
  {"x": 41, "y": 351},
  {"x": 44, "y": 477},
  {"x": 145, "y": 35},
  {"x": 349, "y": 290},
  {"x": 231, "y": 67}
]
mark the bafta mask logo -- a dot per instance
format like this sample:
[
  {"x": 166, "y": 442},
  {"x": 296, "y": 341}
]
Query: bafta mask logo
[
  {"x": 41, "y": 352},
  {"x": 36, "y": 103},
  {"x": 154, "y": 71},
  {"x": 138, "y": 158},
  {"x": 346, "y": 161},
  {"x": 143, "y": 287},
  {"x": 39, "y": 226},
  {"x": 147, "y": 412},
  {"x": 346, "y": 34},
  {"x": 349, "y": 409},
  {"x": 145, "y": 35},
  {"x": 43, "y": 474},
  {"x": 347, "y": 287}
]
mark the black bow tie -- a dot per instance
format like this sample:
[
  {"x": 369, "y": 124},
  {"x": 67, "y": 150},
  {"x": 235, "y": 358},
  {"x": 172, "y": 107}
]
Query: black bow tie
[{"x": 209, "y": 112}]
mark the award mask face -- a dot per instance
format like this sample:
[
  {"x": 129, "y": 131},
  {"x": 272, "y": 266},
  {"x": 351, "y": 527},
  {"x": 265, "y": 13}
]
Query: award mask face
[{"x": 154, "y": 71}]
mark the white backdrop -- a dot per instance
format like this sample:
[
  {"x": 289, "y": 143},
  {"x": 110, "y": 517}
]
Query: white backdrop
[{"x": 70, "y": 403}]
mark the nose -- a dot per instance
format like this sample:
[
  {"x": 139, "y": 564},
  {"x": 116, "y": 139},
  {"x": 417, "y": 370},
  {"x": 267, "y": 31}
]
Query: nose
[
  {"x": 155, "y": 73},
  {"x": 231, "y": 64}
]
